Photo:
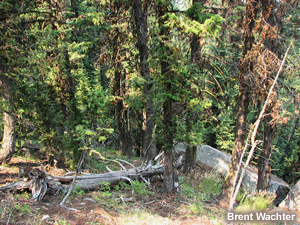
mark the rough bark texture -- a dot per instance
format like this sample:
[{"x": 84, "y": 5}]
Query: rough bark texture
[
  {"x": 9, "y": 119},
  {"x": 243, "y": 102},
  {"x": 141, "y": 18},
  {"x": 169, "y": 174},
  {"x": 195, "y": 42},
  {"x": 245, "y": 67},
  {"x": 264, "y": 158},
  {"x": 117, "y": 89},
  {"x": 273, "y": 44}
]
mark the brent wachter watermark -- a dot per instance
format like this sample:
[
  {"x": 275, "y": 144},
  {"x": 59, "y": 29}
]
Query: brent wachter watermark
[{"x": 233, "y": 216}]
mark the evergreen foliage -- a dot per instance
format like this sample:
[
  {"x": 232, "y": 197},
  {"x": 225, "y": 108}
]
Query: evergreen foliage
[{"x": 74, "y": 73}]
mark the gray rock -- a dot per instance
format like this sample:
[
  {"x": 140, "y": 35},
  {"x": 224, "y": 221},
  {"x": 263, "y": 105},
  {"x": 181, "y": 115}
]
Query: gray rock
[
  {"x": 213, "y": 158},
  {"x": 292, "y": 201},
  {"x": 220, "y": 162}
]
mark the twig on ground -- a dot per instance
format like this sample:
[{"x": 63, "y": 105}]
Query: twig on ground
[
  {"x": 148, "y": 203},
  {"x": 70, "y": 209}
]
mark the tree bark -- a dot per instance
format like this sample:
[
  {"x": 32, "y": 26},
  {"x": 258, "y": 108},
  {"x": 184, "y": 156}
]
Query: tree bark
[
  {"x": 9, "y": 118},
  {"x": 191, "y": 150},
  {"x": 264, "y": 157},
  {"x": 243, "y": 102},
  {"x": 128, "y": 134},
  {"x": 169, "y": 173},
  {"x": 117, "y": 84},
  {"x": 170, "y": 177},
  {"x": 245, "y": 67},
  {"x": 190, "y": 158},
  {"x": 141, "y": 23},
  {"x": 120, "y": 110},
  {"x": 274, "y": 45}
]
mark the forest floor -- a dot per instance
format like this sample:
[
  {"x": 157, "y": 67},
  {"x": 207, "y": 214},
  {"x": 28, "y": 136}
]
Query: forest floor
[{"x": 119, "y": 205}]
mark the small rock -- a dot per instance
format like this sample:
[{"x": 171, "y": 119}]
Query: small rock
[{"x": 46, "y": 217}]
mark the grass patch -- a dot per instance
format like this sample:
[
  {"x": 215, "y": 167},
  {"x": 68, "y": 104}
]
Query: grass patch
[
  {"x": 200, "y": 192},
  {"x": 211, "y": 183},
  {"x": 257, "y": 200}
]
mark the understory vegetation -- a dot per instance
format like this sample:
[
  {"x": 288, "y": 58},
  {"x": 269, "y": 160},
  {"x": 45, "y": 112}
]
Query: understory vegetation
[
  {"x": 125, "y": 203},
  {"x": 133, "y": 202},
  {"x": 129, "y": 79}
]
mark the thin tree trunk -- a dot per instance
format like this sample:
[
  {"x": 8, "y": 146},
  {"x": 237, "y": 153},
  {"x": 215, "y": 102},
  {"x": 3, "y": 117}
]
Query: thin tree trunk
[
  {"x": 170, "y": 176},
  {"x": 141, "y": 23},
  {"x": 190, "y": 158},
  {"x": 9, "y": 118},
  {"x": 263, "y": 162},
  {"x": 191, "y": 150},
  {"x": 287, "y": 147},
  {"x": 121, "y": 117},
  {"x": 128, "y": 134},
  {"x": 117, "y": 86},
  {"x": 228, "y": 186},
  {"x": 144, "y": 139}
]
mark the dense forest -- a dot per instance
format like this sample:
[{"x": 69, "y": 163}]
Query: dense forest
[{"x": 141, "y": 76}]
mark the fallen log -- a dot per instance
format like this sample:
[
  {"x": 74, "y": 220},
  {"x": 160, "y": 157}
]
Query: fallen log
[
  {"x": 33, "y": 179},
  {"x": 39, "y": 182}
]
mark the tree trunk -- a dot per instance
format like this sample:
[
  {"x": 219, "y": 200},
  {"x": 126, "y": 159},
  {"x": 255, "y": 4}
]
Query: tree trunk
[
  {"x": 263, "y": 163},
  {"x": 274, "y": 45},
  {"x": 128, "y": 134},
  {"x": 243, "y": 102},
  {"x": 245, "y": 67},
  {"x": 120, "y": 115},
  {"x": 169, "y": 173},
  {"x": 190, "y": 158},
  {"x": 117, "y": 84},
  {"x": 287, "y": 147},
  {"x": 9, "y": 119},
  {"x": 191, "y": 150},
  {"x": 170, "y": 176},
  {"x": 141, "y": 23}
]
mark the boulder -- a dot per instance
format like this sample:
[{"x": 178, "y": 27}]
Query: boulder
[
  {"x": 292, "y": 201},
  {"x": 220, "y": 162}
]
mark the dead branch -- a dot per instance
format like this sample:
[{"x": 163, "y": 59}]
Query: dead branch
[
  {"x": 40, "y": 182},
  {"x": 253, "y": 133},
  {"x": 74, "y": 180}
]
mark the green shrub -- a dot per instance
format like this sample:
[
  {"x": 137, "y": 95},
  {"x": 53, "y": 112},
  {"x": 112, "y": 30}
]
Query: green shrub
[{"x": 77, "y": 192}]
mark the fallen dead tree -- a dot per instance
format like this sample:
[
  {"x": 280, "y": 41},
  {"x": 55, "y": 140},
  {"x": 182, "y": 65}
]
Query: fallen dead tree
[{"x": 40, "y": 182}]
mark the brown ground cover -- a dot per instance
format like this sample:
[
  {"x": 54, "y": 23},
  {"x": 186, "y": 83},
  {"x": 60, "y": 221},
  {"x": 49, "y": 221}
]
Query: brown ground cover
[{"x": 106, "y": 206}]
